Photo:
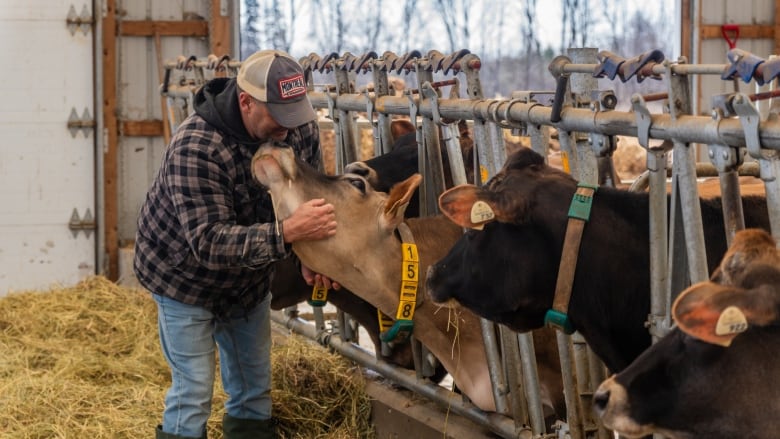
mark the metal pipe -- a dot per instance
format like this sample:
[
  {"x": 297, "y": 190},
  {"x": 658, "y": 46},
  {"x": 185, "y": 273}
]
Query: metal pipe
[
  {"x": 531, "y": 382},
  {"x": 101, "y": 257},
  {"x": 499, "y": 424},
  {"x": 573, "y": 419},
  {"x": 691, "y": 128}
]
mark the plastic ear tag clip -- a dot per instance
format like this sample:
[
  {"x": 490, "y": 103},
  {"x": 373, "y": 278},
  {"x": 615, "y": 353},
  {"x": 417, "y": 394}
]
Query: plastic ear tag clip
[
  {"x": 481, "y": 212},
  {"x": 731, "y": 321}
]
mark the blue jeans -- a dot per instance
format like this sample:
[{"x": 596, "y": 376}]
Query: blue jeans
[{"x": 188, "y": 336}]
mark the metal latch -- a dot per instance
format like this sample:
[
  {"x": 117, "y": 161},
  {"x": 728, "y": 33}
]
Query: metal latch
[
  {"x": 76, "y": 223},
  {"x": 84, "y": 21},
  {"x": 83, "y": 123}
]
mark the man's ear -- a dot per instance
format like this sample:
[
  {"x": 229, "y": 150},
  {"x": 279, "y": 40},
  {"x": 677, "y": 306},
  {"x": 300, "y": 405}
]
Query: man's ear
[{"x": 463, "y": 206}]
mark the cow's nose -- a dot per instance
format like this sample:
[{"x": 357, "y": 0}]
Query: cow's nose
[
  {"x": 358, "y": 168},
  {"x": 601, "y": 400}
]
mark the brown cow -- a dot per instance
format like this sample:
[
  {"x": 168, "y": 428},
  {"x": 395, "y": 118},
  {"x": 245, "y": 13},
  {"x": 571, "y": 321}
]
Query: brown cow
[{"x": 366, "y": 257}]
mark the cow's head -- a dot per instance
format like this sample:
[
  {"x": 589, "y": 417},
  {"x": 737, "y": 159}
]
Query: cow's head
[
  {"x": 510, "y": 196},
  {"x": 714, "y": 375},
  {"x": 504, "y": 273},
  {"x": 365, "y": 217}
]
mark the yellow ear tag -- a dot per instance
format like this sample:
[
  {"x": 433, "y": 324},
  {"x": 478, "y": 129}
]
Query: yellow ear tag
[
  {"x": 481, "y": 213},
  {"x": 731, "y": 321}
]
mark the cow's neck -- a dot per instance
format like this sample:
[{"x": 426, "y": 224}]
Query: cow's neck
[
  {"x": 374, "y": 274},
  {"x": 607, "y": 291}
]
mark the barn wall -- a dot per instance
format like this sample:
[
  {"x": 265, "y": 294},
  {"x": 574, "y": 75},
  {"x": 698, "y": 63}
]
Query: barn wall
[
  {"x": 138, "y": 97},
  {"x": 713, "y": 50}
]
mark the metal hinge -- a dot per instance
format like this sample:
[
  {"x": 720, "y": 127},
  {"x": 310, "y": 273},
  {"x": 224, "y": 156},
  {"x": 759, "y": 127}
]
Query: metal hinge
[
  {"x": 83, "y": 21},
  {"x": 83, "y": 123},
  {"x": 76, "y": 223}
]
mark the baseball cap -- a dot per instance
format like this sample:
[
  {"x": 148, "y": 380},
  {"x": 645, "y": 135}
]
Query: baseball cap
[{"x": 274, "y": 77}]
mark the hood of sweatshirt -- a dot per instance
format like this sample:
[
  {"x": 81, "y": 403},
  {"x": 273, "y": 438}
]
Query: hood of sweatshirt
[{"x": 217, "y": 103}]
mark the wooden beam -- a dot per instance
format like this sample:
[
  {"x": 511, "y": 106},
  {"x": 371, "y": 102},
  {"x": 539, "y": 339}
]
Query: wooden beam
[
  {"x": 686, "y": 31},
  {"x": 749, "y": 31},
  {"x": 148, "y": 28},
  {"x": 776, "y": 45},
  {"x": 142, "y": 128},
  {"x": 219, "y": 34},
  {"x": 110, "y": 156}
]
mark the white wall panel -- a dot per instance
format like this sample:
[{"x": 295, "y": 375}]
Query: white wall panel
[{"x": 44, "y": 172}]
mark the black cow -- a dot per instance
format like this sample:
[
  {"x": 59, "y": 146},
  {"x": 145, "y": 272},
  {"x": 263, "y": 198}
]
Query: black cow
[
  {"x": 401, "y": 162},
  {"x": 506, "y": 272},
  {"x": 715, "y": 375}
]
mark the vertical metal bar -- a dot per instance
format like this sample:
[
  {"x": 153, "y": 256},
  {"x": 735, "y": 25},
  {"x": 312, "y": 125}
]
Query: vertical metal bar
[
  {"x": 347, "y": 146},
  {"x": 684, "y": 165},
  {"x": 659, "y": 297},
  {"x": 573, "y": 419},
  {"x": 494, "y": 365},
  {"x": 482, "y": 173},
  {"x": 733, "y": 215},
  {"x": 581, "y": 85},
  {"x": 585, "y": 388},
  {"x": 514, "y": 376},
  {"x": 530, "y": 376},
  {"x": 381, "y": 88}
]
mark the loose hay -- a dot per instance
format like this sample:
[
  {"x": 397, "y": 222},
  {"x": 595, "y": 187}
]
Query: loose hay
[{"x": 85, "y": 361}]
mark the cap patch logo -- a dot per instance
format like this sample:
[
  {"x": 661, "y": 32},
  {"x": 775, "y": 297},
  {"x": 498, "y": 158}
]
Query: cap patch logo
[{"x": 292, "y": 87}]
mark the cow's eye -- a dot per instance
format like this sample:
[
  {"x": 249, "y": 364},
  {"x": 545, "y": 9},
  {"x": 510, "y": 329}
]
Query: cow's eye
[{"x": 358, "y": 183}]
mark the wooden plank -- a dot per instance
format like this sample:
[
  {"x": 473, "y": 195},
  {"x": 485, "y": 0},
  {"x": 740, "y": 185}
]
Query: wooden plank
[
  {"x": 146, "y": 128},
  {"x": 400, "y": 413},
  {"x": 749, "y": 31},
  {"x": 148, "y": 28},
  {"x": 776, "y": 45},
  {"x": 110, "y": 161},
  {"x": 686, "y": 32},
  {"x": 219, "y": 35}
]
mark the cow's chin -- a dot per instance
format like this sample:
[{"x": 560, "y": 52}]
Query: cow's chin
[{"x": 449, "y": 303}]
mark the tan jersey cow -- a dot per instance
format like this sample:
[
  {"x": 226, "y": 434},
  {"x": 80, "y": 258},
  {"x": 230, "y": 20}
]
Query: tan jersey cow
[{"x": 365, "y": 257}]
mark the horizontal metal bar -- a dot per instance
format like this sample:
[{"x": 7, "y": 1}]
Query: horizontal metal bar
[
  {"x": 688, "y": 129},
  {"x": 495, "y": 422},
  {"x": 658, "y": 69}
]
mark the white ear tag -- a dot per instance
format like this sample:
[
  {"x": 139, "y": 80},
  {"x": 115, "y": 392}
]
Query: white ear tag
[
  {"x": 481, "y": 212},
  {"x": 731, "y": 321}
]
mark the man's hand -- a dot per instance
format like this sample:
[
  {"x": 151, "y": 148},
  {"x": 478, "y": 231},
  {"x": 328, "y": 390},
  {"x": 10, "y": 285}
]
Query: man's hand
[
  {"x": 312, "y": 220},
  {"x": 317, "y": 279}
]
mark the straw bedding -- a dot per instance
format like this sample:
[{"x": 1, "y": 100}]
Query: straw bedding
[{"x": 85, "y": 362}]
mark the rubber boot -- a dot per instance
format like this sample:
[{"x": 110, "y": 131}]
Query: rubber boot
[
  {"x": 235, "y": 428},
  {"x": 160, "y": 434}
]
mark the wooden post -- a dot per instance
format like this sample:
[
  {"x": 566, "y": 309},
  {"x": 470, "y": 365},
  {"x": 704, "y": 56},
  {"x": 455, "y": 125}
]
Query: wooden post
[{"x": 219, "y": 31}]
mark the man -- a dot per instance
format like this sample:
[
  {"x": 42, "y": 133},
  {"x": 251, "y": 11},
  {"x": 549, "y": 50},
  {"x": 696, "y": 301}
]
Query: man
[{"x": 207, "y": 240}]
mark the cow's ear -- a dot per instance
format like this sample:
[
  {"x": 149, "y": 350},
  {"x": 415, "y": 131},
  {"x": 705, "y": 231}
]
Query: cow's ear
[
  {"x": 398, "y": 201},
  {"x": 464, "y": 206},
  {"x": 718, "y": 313}
]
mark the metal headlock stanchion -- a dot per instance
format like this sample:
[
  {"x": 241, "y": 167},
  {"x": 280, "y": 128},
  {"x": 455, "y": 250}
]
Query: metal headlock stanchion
[{"x": 587, "y": 123}]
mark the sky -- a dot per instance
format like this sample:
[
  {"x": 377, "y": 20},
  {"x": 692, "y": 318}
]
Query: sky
[{"x": 310, "y": 30}]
